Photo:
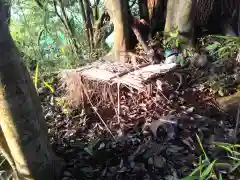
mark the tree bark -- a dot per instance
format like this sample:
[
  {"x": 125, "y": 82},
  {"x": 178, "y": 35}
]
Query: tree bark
[
  {"x": 100, "y": 32},
  {"x": 180, "y": 15},
  {"x": 119, "y": 14},
  {"x": 143, "y": 10},
  {"x": 23, "y": 128},
  {"x": 95, "y": 11},
  {"x": 89, "y": 22},
  {"x": 156, "y": 10}
]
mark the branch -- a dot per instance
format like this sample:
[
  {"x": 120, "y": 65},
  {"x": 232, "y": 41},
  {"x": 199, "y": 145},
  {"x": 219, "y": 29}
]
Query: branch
[
  {"x": 133, "y": 3},
  {"x": 89, "y": 25},
  {"x": 39, "y": 4},
  {"x": 140, "y": 39},
  {"x": 56, "y": 11},
  {"x": 102, "y": 20},
  {"x": 150, "y": 52},
  {"x": 108, "y": 32},
  {"x": 98, "y": 34}
]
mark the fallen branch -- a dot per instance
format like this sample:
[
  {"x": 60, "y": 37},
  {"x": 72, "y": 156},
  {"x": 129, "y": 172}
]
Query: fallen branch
[
  {"x": 150, "y": 52},
  {"x": 140, "y": 39},
  {"x": 128, "y": 71}
]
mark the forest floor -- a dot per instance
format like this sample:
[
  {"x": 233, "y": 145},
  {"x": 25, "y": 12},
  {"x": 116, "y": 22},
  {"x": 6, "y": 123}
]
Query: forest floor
[{"x": 159, "y": 136}]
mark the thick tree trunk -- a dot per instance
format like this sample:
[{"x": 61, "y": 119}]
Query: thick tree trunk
[
  {"x": 180, "y": 15},
  {"x": 156, "y": 10},
  {"x": 22, "y": 122},
  {"x": 119, "y": 14}
]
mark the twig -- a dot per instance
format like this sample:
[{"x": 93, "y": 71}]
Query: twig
[
  {"x": 118, "y": 87},
  {"x": 130, "y": 70},
  {"x": 180, "y": 80},
  {"x": 94, "y": 108},
  {"x": 216, "y": 106},
  {"x": 159, "y": 89},
  {"x": 237, "y": 124}
]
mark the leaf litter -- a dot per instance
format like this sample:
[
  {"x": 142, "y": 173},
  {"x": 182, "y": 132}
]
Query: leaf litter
[{"x": 156, "y": 135}]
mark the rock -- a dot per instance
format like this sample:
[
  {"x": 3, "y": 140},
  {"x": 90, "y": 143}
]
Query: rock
[
  {"x": 150, "y": 161},
  {"x": 237, "y": 78},
  {"x": 159, "y": 161},
  {"x": 170, "y": 177},
  {"x": 101, "y": 146},
  {"x": 49, "y": 115},
  {"x": 67, "y": 174},
  {"x": 190, "y": 110},
  {"x": 229, "y": 103},
  {"x": 42, "y": 90},
  {"x": 171, "y": 59},
  {"x": 200, "y": 61}
]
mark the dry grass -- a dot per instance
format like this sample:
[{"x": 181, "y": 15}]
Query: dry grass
[
  {"x": 78, "y": 88},
  {"x": 98, "y": 82}
]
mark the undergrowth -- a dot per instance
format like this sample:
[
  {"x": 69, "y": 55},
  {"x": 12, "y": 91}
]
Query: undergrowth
[
  {"x": 215, "y": 168},
  {"x": 221, "y": 46}
]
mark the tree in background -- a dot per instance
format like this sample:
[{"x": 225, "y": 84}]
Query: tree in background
[
  {"x": 119, "y": 14},
  {"x": 24, "y": 140}
]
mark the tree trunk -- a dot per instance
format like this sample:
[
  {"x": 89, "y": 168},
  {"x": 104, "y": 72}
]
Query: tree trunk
[
  {"x": 143, "y": 10},
  {"x": 156, "y": 10},
  {"x": 95, "y": 11},
  {"x": 89, "y": 21},
  {"x": 23, "y": 128},
  {"x": 180, "y": 15},
  {"x": 119, "y": 14},
  {"x": 67, "y": 26}
]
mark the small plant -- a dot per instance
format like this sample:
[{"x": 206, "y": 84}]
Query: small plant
[
  {"x": 172, "y": 40},
  {"x": 207, "y": 169},
  {"x": 44, "y": 83},
  {"x": 233, "y": 151},
  {"x": 223, "y": 46}
]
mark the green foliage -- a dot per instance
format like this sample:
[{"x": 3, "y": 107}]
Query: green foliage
[
  {"x": 233, "y": 153},
  {"x": 42, "y": 39},
  {"x": 222, "y": 46},
  {"x": 205, "y": 168},
  {"x": 208, "y": 169},
  {"x": 172, "y": 39},
  {"x": 44, "y": 83}
]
